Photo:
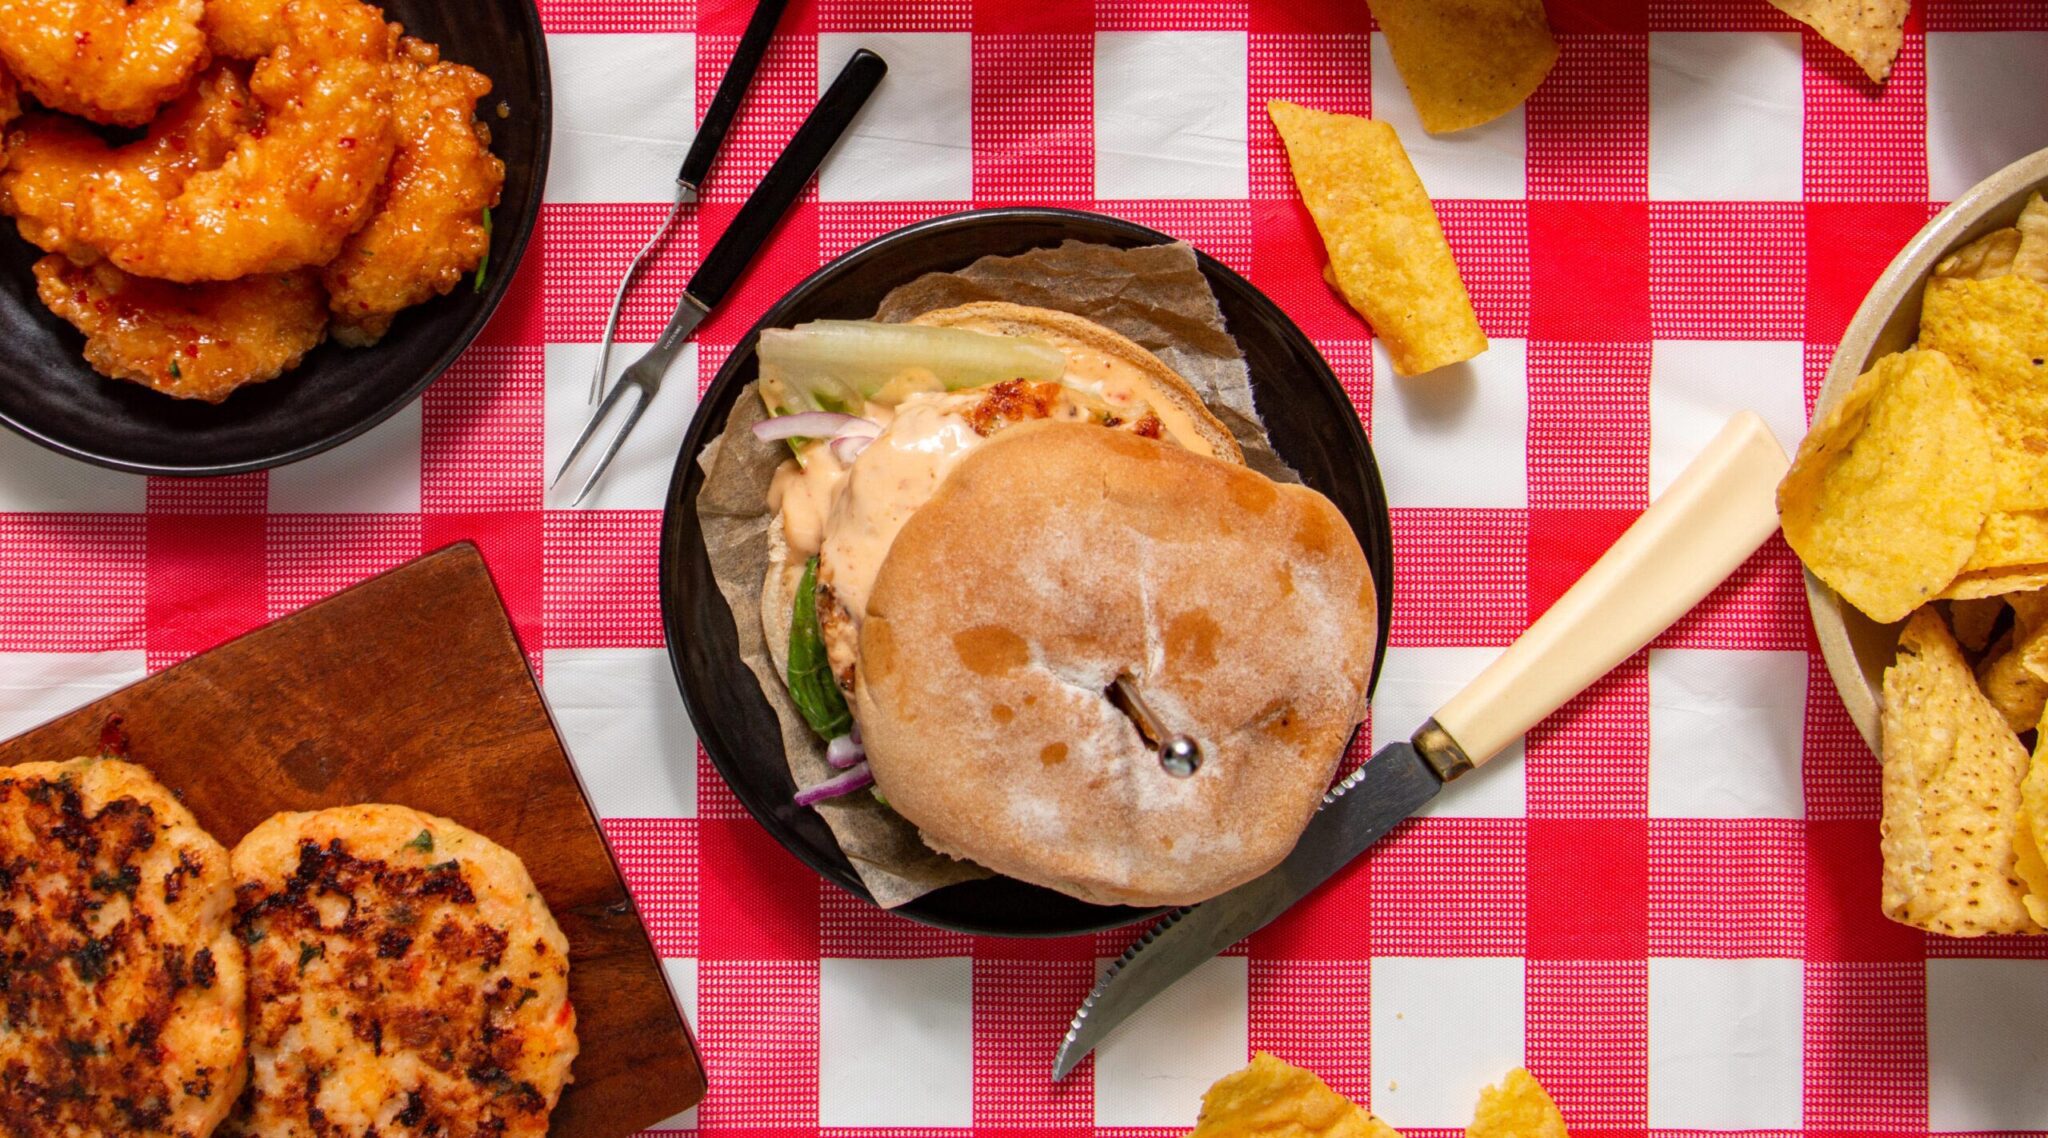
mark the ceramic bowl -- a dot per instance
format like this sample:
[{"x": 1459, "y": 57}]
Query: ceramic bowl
[
  {"x": 49, "y": 395},
  {"x": 1856, "y": 648},
  {"x": 1307, "y": 414}
]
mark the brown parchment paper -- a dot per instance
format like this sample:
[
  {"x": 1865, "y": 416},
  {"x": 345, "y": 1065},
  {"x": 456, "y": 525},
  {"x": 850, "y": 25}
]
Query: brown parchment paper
[{"x": 1155, "y": 295}]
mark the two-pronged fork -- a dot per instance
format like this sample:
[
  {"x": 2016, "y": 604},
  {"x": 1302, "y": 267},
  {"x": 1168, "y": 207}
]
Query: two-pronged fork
[
  {"x": 725, "y": 104},
  {"x": 729, "y": 258}
]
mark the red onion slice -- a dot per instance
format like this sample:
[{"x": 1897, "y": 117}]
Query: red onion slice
[
  {"x": 845, "y": 751},
  {"x": 805, "y": 424},
  {"x": 857, "y": 777},
  {"x": 846, "y": 448}
]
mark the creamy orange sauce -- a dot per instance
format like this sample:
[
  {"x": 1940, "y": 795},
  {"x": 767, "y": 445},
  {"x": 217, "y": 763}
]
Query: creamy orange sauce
[{"x": 849, "y": 516}]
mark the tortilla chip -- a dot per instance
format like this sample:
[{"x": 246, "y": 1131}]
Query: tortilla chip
[
  {"x": 1518, "y": 1108},
  {"x": 1868, "y": 31},
  {"x": 1974, "y": 619},
  {"x": 2031, "y": 859},
  {"x": 1276, "y": 1099},
  {"x": 2029, "y": 609},
  {"x": 1388, "y": 252},
  {"x": 1890, "y": 486},
  {"x": 1996, "y": 333},
  {"x": 2016, "y": 680},
  {"x": 2031, "y": 260},
  {"x": 2010, "y": 538},
  {"x": 1996, "y": 582},
  {"x": 1988, "y": 256},
  {"x": 1952, "y": 771},
  {"x": 1467, "y": 62}
]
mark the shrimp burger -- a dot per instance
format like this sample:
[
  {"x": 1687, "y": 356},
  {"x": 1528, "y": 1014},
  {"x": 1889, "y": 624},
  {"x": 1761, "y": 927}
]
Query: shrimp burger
[{"x": 1024, "y": 584}]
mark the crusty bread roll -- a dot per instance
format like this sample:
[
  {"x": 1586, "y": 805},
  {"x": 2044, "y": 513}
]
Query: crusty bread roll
[{"x": 1061, "y": 556}]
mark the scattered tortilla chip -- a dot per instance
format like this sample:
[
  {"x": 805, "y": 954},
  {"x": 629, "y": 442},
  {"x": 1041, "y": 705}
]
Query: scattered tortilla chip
[
  {"x": 2010, "y": 538},
  {"x": 1988, "y": 256},
  {"x": 2030, "y": 609},
  {"x": 2031, "y": 860},
  {"x": 1467, "y": 62},
  {"x": 1974, "y": 619},
  {"x": 1868, "y": 31},
  {"x": 1996, "y": 582},
  {"x": 2016, "y": 680},
  {"x": 1890, "y": 486},
  {"x": 1518, "y": 1108},
  {"x": 2031, "y": 260},
  {"x": 1388, "y": 252},
  {"x": 1952, "y": 771},
  {"x": 1276, "y": 1099},
  {"x": 1996, "y": 333}
]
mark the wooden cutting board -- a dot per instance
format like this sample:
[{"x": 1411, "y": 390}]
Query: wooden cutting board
[{"x": 410, "y": 688}]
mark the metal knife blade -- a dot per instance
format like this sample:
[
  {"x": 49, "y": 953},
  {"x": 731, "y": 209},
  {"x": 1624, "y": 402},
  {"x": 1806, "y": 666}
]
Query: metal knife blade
[{"x": 1356, "y": 812}]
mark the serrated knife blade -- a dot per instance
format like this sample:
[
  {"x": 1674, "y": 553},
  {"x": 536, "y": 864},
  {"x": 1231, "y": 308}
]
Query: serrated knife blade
[
  {"x": 1356, "y": 812},
  {"x": 1711, "y": 518}
]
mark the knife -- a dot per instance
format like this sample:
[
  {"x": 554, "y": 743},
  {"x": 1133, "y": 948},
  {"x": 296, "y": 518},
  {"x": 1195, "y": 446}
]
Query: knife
[{"x": 1719, "y": 510}]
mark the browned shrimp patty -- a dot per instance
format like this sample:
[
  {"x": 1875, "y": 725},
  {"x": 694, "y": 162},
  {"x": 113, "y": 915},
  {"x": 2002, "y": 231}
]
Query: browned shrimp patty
[
  {"x": 406, "y": 978},
  {"x": 121, "y": 983}
]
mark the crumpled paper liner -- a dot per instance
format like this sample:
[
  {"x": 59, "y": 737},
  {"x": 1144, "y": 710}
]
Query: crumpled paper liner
[{"x": 1156, "y": 295}]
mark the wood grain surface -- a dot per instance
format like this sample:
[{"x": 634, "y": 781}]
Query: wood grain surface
[{"x": 410, "y": 688}]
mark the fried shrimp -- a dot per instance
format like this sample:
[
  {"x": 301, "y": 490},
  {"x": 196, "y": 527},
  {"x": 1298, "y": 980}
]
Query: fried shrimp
[
  {"x": 288, "y": 195},
  {"x": 62, "y": 175},
  {"x": 112, "y": 61},
  {"x": 187, "y": 341},
  {"x": 429, "y": 231}
]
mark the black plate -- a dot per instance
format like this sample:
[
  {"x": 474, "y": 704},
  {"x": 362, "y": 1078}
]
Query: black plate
[
  {"x": 1310, "y": 419},
  {"x": 48, "y": 394}
]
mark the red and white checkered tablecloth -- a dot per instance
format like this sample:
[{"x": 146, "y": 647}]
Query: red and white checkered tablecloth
[{"x": 1665, "y": 904}]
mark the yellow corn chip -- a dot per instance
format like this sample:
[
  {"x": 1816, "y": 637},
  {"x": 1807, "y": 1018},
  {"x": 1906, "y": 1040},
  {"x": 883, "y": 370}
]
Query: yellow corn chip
[
  {"x": 2030, "y": 609},
  {"x": 2007, "y": 539},
  {"x": 1996, "y": 582},
  {"x": 1518, "y": 1108},
  {"x": 1952, "y": 771},
  {"x": 1988, "y": 256},
  {"x": 2016, "y": 680},
  {"x": 1388, "y": 252},
  {"x": 2031, "y": 259},
  {"x": 2032, "y": 853},
  {"x": 1996, "y": 333},
  {"x": 1467, "y": 62},
  {"x": 1276, "y": 1099},
  {"x": 1973, "y": 620},
  {"x": 1868, "y": 31},
  {"x": 1890, "y": 486}
]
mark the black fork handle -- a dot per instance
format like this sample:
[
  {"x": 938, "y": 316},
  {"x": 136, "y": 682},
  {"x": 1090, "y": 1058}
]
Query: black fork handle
[
  {"x": 786, "y": 179},
  {"x": 746, "y": 60}
]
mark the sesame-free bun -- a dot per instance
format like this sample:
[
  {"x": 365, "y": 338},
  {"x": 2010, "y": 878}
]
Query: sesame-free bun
[{"x": 1061, "y": 556}]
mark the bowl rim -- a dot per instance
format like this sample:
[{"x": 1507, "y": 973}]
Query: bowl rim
[
  {"x": 702, "y": 430},
  {"x": 520, "y": 237},
  {"x": 1900, "y": 284}
]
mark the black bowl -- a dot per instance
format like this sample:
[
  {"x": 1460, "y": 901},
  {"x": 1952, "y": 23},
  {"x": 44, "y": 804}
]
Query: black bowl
[
  {"x": 1312, "y": 423},
  {"x": 48, "y": 394}
]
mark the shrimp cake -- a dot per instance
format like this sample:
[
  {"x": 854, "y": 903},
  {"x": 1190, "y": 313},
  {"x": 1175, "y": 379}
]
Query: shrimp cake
[
  {"x": 186, "y": 341},
  {"x": 406, "y": 978},
  {"x": 121, "y": 981},
  {"x": 428, "y": 232}
]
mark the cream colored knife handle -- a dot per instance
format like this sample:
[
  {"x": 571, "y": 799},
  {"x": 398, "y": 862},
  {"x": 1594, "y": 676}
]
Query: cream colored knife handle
[{"x": 1721, "y": 508}]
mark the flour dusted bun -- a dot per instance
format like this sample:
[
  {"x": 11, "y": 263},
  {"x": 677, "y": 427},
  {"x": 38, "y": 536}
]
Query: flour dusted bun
[
  {"x": 1061, "y": 556},
  {"x": 1080, "y": 337}
]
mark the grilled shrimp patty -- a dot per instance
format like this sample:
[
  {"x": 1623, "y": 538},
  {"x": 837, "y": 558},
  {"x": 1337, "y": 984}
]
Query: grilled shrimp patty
[
  {"x": 406, "y": 978},
  {"x": 121, "y": 983}
]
